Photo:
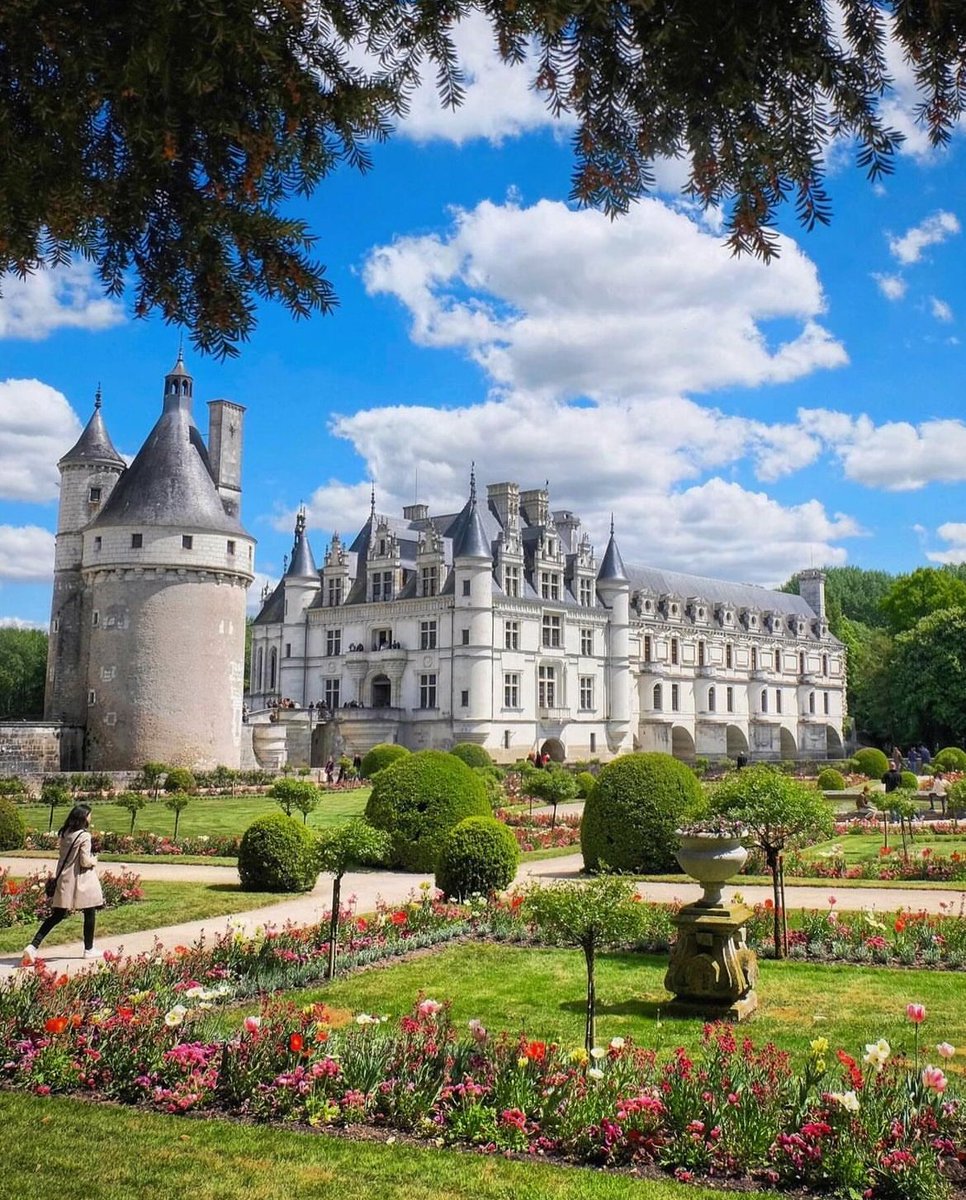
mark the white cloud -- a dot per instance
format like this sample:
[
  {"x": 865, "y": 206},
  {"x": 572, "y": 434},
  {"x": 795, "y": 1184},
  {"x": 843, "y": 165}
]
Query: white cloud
[
  {"x": 893, "y": 287},
  {"x": 933, "y": 231},
  {"x": 37, "y": 426},
  {"x": 940, "y": 309},
  {"x": 559, "y": 302},
  {"x": 26, "y": 553},
  {"x": 19, "y": 623},
  {"x": 58, "y": 298},
  {"x": 953, "y": 532}
]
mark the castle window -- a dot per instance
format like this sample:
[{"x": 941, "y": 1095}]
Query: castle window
[
  {"x": 464, "y": 699},
  {"x": 712, "y": 700},
  {"x": 648, "y": 648},
  {"x": 97, "y": 542},
  {"x": 55, "y": 625},
  {"x": 701, "y": 654},
  {"x": 137, "y": 541},
  {"x": 511, "y": 635},
  {"x": 550, "y": 631},
  {"x": 333, "y": 642},
  {"x": 729, "y": 656},
  {"x": 811, "y": 703},
  {"x": 657, "y": 700},
  {"x": 801, "y": 664},
  {"x": 506, "y": 739},
  {"x": 511, "y": 581},
  {"x": 511, "y": 690},
  {"x": 427, "y": 691},
  {"x": 593, "y": 743},
  {"x": 231, "y": 546},
  {"x": 334, "y": 591},
  {"x": 187, "y": 541},
  {"x": 730, "y": 699},
  {"x": 587, "y": 693},
  {"x": 754, "y": 658},
  {"x": 551, "y": 547},
  {"x": 381, "y": 585},
  {"x": 549, "y": 585},
  {"x": 825, "y": 706},
  {"x": 466, "y": 587},
  {"x": 331, "y": 690},
  {"x": 381, "y": 639},
  {"x": 674, "y": 651},
  {"x": 95, "y": 617},
  {"x": 92, "y": 697},
  {"x": 764, "y": 700},
  {"x": 427, "y": 635},
  {"x": 464, "y": 637},
  {"x": 94, "y": 495},
  {"x": 824, "y": 664},
  {"x": 675, "y": 697},
  {"x": 547, "y": 687},
  {"x": 429, "y": 581},
  {"x": 586, "y": 593},
  {"x": 586, "y": 642},
  {"x": 778, "y": 700},
  {"x": 272, "y": 669},
  {"x": 288, "y": 649}
]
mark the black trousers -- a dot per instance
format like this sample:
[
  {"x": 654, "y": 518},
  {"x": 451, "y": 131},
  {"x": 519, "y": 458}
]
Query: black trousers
[{"x": 55, "y": 918}]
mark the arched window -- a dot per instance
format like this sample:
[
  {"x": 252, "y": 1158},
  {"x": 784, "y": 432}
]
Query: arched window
[
  {"x": 824, "y": 664},
  {"x": 658, "y": 701},
  {"x": 811, "y": 703},
  {"x": 272, "y": 669},
  {"x": 711, "y": 699},
  {"x": 259, "y": 663},
  {"x": 764, "y": 700}
]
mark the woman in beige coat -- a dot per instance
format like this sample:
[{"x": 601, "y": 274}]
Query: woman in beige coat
[{"x": 77, "y": 884}]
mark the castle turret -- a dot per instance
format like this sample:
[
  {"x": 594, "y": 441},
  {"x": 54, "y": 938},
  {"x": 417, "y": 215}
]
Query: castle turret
[
  {"x": 811, "y": 588},
  {"x": 613, "y": 587},
  {"x": 167, "y": 569},
  {"x": 302, "y": 584},
  {"x": 88, "y": 473},
  {"x": 472, "y": 621}
]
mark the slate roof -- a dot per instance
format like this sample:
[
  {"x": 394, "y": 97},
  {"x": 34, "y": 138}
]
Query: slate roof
[
  {"x": 717, "y": 591},
  {"x": 94, "y": 444}
]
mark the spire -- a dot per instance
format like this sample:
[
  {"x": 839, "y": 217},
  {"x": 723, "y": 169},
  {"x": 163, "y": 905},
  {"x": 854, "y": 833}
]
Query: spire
[
  {"x": 470, "y": 539},
  {"x": 372, "y": 501},
  {"x": 178, "y": 386},
  {"x": 94, "y": 444},
  {"x": 303, "y": 563},
  {"x": 612, "y": 568}
]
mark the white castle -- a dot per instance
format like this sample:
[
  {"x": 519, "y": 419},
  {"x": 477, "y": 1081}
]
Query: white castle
[
  {"x": 498, "y": 625},
  {"x": 152, "y": 566}
]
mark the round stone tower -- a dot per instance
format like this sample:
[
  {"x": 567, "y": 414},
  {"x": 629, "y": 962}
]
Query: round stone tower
[
  {"x": 613, "y": 587},
  {"x": 472, "y": 623},
  {"x": 88, "y": 473},
  {"x": 167, "y": 565}
]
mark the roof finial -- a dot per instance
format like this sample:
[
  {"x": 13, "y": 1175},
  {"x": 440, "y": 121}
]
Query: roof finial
[
  {"x": 473, "y": 482},
  {"x": 181, "y": 347},
  {"x": 300, "y": 521},
  {"x": 611, "y": 524},
  {"x": 372, "y": 500},
  {"x": 97, "y": 395}
]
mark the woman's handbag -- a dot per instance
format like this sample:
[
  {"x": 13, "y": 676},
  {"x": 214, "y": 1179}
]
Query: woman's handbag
[{"x": 50, "y": 883}]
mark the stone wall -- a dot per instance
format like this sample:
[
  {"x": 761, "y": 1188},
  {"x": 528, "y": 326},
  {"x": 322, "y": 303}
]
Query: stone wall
[{"x": 39, "y": 748}]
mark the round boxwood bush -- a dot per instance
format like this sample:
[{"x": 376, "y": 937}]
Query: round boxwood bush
[
  {"x": 472, "y": 755},
  {"x": 278, "y": 854},
  {"x": 585, "y": 784},
  {"x": 180, "y": 779},
  {"x": 12, "y": 828},
  {"x": 418, "y": 799},
  {"x": 380, "y": 756},
  {"x": 910, "y": 781},
  {"x": 950, "y": 758},
  {"x": 478, "y": 856},
  {"x": 629, "y": 820},
  {"x": 870, "y": 762},
  {"x": 830, "y": 780}
]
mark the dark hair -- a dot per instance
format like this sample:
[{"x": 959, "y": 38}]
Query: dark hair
[{"x": 76, "y": 819}]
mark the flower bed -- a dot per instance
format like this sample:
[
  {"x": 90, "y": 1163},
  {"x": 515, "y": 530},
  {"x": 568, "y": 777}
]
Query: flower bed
[
  {"x": 884, "y": 1127},
  {"x": 107, "y": 842},
  {"x": 533, "y": 830},
  {"x": 891, "y": 864},
  {"x": 24, "y": 900}
]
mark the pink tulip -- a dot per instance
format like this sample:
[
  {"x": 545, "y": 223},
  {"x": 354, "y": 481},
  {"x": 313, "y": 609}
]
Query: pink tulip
[
  {"x": 252, "y": 1024},
  {"x": 916, "y": 1013},
  {"x": 428, "y": 1008},
  {"x": 934, "y": 1079},
  {"x": 944, "y": 1050}
]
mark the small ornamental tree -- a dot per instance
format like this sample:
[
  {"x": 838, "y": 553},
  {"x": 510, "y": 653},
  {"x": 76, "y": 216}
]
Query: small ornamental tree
[
  {"x": 553, "y": 787},
  {"x": 777, "y": 811},
  {"x": 132, "y": 802},
  {"x": 152, "y": 773},
  {"x": 307, "y": 799},
  {"x": 591, "y": 916},
  {"x": 296, "y": 794},
  {"x": 54, "y": 795},
  {"x": 177, "y": 802},
  {"x": 180, "y": 779},
  {"x": 353, "y": 845}
]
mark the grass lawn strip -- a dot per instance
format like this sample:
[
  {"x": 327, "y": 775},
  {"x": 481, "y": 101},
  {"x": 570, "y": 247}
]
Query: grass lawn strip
[
  {"x": 164, "y": 904},
  {"x": 63, "y": 1149}
]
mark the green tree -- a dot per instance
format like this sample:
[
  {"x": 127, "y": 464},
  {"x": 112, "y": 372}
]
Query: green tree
[
  {"x": 590, "y": 916},
  {"x": 851, "y": 593},
  {"x": 152, "y": 773},
  {"x": 177, "y": 802},
  {"x": 917, "y": 595},
  {"x": 23, "y": 665},
  {"x": 353, "y": 845},
  {"x": 162, "y": 140},
  {"x": 929, "y": 680},
  {"x": 871, "y": 684},
  {"x": 777, "y": 811},
  {"x": 53, "y": 795},
  {"x": 553, "y": 787},
  {"x": 132, "y": 802},
  {"x": 299, "y": 794}
]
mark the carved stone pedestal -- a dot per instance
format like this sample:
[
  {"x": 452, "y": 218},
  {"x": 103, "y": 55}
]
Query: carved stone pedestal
[{"x": 712, "y": 972}]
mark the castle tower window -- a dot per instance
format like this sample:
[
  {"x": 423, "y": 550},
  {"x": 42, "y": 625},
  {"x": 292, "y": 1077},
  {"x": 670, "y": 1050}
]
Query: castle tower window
[
  {"x": 778, "y": 700},
  {"x": 230, "y": 546},
  {"x": 825, "y": 705},
  {"x": 137, "y": 541},
  {"x": 824, "y": 664},
  {"x": 95, "y": 617},
  {"x": 675, "y": 697},
  {"x": 506, "y": 739},
  {"x": 657, "y": 700},
  {"x": 712, "y": 700},
  {"x": 464, "y": 637},
  {"x": 92, "y": 697},
  {"x": 288, "y": 649},
  {"x": 511, "y": 635},
  {"x": 648, "y": 648},
  {"x": 187, "y": 541},
  {"x": 811, "y": 703},
  {"x": 466, "y": 587},
  {"x": 701, "y": 654},
  {"x": 593, "y": 743},
  {"x": 97, "y": 542},
  {"x": 94, "y": 495},
  {"x": 511, "y": 690},
  {"x": 801, "y": 664},
  {"x": 272, "y": 669},
  {"x": 764, "y": 700},
  {"x": 464, "y": 699},
  {"x": 754, "y": 658}
]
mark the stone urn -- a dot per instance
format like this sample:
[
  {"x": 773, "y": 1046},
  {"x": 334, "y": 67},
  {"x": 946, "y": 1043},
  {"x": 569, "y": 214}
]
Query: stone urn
[{"x": 712, "y": 859}]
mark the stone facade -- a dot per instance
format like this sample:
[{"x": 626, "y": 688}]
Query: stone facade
[
  {"x": 38, "y": 748},
  {"x": 499, "y": 625},
  {"x": 151, "y": 573}
]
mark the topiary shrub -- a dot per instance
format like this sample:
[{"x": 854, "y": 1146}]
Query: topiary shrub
[
  {"x": 585, "y": 784},
  {"x": 380, "y": 756},
  {"x": 478, "y": 856},
  {"x": 629, "y": 820},
  {"x": 12, "y": 828},
  {"x": 277, "y": 854},
  {"x": 472, "y": 755},
  {"x": 180, "y": 779},
  {"x": 418, "y": 799},
  {"x": 870, "y": 762},
  {"x": 950, "y": 758},
  {"x": 910, "y": 781},
  {"x": 492, "y": 781},
  {"x": 830, "y": 780}
]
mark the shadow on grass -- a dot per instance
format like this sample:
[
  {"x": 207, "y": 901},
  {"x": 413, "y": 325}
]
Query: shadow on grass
[{"x": 645, "y": 1010}]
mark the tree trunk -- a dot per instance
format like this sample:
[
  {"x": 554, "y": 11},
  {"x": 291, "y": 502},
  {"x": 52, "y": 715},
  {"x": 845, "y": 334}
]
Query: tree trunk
[
  {"x": 885, "y": 828},
  {"x": 784, "y": 912},
  {"x": 50, "y": 819},
  {"x": 771, "y": 857},
  {"x": 553, "y": 818},
  {"x": 334, "y": 924},
  {"x": 590, "y": 1027},
  {"x": 134, "y": 817},
  {"x": 177, "y": 819}
]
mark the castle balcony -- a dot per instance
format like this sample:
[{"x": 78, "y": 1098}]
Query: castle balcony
[
  {"x": 707, "y": 671},
  {"x": 811, "y": 679},
  {"x": 762, "y": 675},
  {"x": 553, "y": 716}
]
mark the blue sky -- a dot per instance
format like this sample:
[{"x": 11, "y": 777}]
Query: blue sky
[{"x": 740, "y": 420}]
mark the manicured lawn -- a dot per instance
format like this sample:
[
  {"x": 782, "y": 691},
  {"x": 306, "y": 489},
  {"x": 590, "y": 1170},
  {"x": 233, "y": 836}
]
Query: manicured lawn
[
  {"x": 164, "y": 904},
  {"x": 205, "y": 815},
  {"x": 865, "y": 847},
  {"x": 60, "y": 1149},
  {"x": 542, "y": 991}
]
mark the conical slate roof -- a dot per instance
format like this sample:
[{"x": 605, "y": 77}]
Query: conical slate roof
[
  {"x": 469, "y": 535},
  {"x": 170, "y": 481},
  {"x": 612, "y": 568},
  {"x": 303, "y": 563},
  {"x": 94, "y": 444}
]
